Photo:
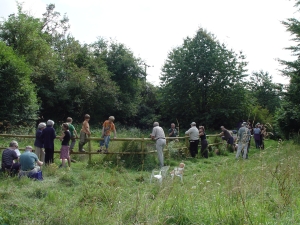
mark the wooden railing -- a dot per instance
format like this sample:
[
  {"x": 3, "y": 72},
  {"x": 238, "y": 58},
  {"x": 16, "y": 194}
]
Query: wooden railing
[{"x": 142, "y": 140}]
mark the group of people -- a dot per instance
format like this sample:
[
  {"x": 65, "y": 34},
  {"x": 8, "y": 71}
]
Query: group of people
[
  {"x": 26, "y": 163},
  {"x": 44, "y": 145},
  {"x": 195, "y": 134}
]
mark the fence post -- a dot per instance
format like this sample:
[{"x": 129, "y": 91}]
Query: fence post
[
  {"x": 187, "y": 145},
  {"x": 90, "y": 150},
  {"x": 142, "y": 147}
]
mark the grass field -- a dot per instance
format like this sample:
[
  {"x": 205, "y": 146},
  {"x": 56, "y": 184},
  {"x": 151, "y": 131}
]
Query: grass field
[{"x": 217, "y": 190}]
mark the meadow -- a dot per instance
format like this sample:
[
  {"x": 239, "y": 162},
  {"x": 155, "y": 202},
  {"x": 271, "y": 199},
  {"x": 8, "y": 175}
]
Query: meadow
[{"x": 219, "y": 190}]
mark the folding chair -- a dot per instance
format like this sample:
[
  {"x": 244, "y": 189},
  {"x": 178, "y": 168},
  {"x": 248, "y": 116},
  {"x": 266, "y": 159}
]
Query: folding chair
[{"x": 159, "y": 174}]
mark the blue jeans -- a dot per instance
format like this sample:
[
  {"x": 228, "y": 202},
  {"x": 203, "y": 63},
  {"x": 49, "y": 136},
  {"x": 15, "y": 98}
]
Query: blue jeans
[{"x": 105, "y": 142}]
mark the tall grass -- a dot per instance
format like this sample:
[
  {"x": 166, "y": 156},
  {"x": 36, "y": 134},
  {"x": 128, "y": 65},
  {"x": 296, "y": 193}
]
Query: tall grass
[{"x": 217, "y": 190}]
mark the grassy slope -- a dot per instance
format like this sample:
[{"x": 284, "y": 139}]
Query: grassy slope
[{"x": 218, "y": 190}]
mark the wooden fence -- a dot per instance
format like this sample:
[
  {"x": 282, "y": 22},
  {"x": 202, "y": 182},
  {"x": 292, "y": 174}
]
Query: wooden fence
[{"x": 141, "y": 140}]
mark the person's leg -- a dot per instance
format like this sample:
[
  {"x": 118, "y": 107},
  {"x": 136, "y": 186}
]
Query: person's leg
[
  {"x": 47, "y": 155},
  {"x": 81, "y": 141},
  {"x": 240, "y": 146},
  {"x": 73, "y": 142},
  {"x": 107, "y": 139},
  {"x": 159, "y": 147},
  {"x": 245, "y": 156},
  {"x": 204, "y": 151},
  {"x": 52, "y": 155},
  {"x": 193, "y": 148}
]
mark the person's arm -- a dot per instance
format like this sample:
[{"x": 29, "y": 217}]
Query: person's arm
[
  {"x": 187, "y": 132},
  {"x": 87, "y": 128},
  {"x": 115, "y": 133},
  {"x": 152, "y": 135},
  {"x": 62, "y": 136},
  {"x": 75, "y": 132},
  {"x": 40, "y": 163},
  {"x": 170, "y": 134}
]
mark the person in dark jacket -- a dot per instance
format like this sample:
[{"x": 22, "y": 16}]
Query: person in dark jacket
[
  {"x": 38, "y": 143},
  {"x": 204, "y": 143},
  {"x": 8, "y": 157},
  {"x": 48, "y": 135}
]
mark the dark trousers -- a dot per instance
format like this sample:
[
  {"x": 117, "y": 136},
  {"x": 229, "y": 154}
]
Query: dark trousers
[
  {"x": 204, "y": 151},
  {"x": 194, "y": 147},
  {"x": 49, "y": 154},
  {"x": 257, "y": 143}
]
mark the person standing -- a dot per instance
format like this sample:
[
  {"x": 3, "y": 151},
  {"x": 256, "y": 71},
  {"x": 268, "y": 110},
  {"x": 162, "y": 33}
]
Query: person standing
[
  {"x": 38, "y": 143},
  {"x": 158, "y": 135},
  {"x": 65, "y": 139},
  {"x": 193, "y": 132},
  {"x": 73, "y": 133},
  {"x": 243, "y": 138},
  {"x": 48, "y": 135},
  {"x": 8, "y": 157},
  {"x": 257, "y": 136},
  {"x": 107, "y": 127},
  {"x": 204, "y": 143},
  {"x": 228, "y": 137},
  {"x": 29, "y": 162},
  {"x": 84, "y": 132},
  {"x": 172, "y": 131}
]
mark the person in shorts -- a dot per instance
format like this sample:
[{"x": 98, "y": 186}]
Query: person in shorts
[{"x": 64, "y": 151}]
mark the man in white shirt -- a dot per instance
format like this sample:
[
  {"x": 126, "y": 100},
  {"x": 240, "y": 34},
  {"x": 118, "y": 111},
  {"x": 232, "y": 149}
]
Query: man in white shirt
[
  {"x": 158, "y": 135},
  {"x": 193, "y": 132}
]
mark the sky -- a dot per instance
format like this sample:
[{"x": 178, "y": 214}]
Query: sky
[{"x": 153, "y": 28}]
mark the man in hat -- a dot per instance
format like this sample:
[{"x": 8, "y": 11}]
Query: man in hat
[
  {"x": 243, "y": 138},
  {"x": 158, "y": 135},
  {"x": 193, "y": 132}
]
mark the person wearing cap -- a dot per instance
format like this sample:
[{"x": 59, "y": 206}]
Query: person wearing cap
[
  {"x": 228, "y": 137},
  {"x": 38, "y": 143},
  {"x": 30, "y": 164},
  {"x": 243, "y": 138},
  {"x": 193, "y": 132},
  {"x": 48, "y": 135},
  {"x": 158, "y": 135},
  {"x": 107, "y": 127}
]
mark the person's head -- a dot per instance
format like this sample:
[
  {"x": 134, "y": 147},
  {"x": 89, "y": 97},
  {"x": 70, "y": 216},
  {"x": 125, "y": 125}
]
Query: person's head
[
  {"x": 28, "y": 148},
  {"x": 244, "y": 124},
  {"x": 202, "y": 128},
  {"x": 155, "y": 124},
  {"x": 13, "y": 144},
  {"x": 111, "y": 118},
  {"x": 87, "y": 116},
  {"x": 69, "y": 120},
  {"x": 41, "y": 126},
  {"x": 172, "y": 125},
  {"x": 193, "y": 124},
  {"x": 50, "y": 123},
  {"x": 222, "y": 128},
  {"x": 181, "y": 165},
  {"x": 65, "y": 126}
]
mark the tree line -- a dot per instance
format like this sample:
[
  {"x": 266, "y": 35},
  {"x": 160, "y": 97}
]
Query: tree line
[{"x": 46, "y": 73}]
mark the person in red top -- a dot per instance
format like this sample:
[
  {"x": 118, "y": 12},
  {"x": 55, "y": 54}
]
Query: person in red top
[{"x": 108, "y": 126}]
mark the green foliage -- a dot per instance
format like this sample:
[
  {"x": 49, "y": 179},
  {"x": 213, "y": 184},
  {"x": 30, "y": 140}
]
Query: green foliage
[
  {"x": 18, "y": 95},
  {"x": 203, "y": 80},
  {"x": 287, "y": 117},
  {"x": 266, "y": 93}
]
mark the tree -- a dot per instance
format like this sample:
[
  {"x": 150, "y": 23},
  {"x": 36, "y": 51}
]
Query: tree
[
  {"x": 126, "y": 72},
  {"x": 203, "y": 81},
  {"x": 288, "y": 116},
  {"x": 266, "y": 93},
  {"x": 17, "y": 95}
]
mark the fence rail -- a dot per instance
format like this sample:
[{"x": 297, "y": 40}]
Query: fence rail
[{"x": 142, "y": 140}]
